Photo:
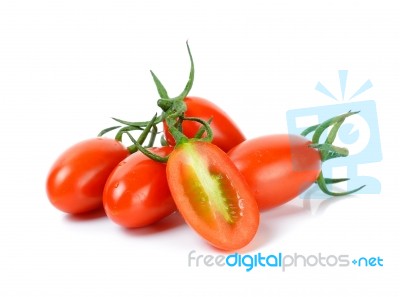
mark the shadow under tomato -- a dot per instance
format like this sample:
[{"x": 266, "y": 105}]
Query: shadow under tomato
[
  {"x": 319, "y": 206},
  {"x": 276, "y": 222},
  {"x": 273, "y": 224},
  {"x": 173, "y": 221},
  {"x": 89, "y": 216}
]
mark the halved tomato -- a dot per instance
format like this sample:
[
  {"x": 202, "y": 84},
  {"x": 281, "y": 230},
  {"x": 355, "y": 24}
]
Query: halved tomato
[{"x": 212, "y": 196}]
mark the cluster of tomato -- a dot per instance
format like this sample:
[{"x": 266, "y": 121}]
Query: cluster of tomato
[{"x": 205, "y": 169}]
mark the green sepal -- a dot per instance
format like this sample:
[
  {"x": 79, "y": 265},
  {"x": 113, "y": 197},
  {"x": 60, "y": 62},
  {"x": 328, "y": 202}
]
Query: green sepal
[
  {"x": 133, "y": 148},
  {"x": 147, "y": 153},
  {"x": 329, "y": 151},
  {"x": 331, "y": 181},
  {"x": 160, "y": 87},
  {"x": 102, "y": 132},
  {"x": 321, "y": 181},
  {"x": 159, "y": 119}
]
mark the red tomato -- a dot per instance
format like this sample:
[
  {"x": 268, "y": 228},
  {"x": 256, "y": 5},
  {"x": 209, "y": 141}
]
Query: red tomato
[
  {"x": 277, "y": 167},
  {"x": 226, "y": 133},
  {"x": 136, "y": 193},
  {"x": 211, "y": 195},
  {"x": 76, "y": 180}
]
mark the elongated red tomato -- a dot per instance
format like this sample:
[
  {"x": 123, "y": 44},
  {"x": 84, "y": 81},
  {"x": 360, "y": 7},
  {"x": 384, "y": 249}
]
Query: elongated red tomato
[
  {"x": 277, "y": 167},
  {"x": 76, "y": 180},
  {"x": 226, "y": 134},
  {"x": 212, "y": 195},
  {"x": 136, "y": 193}
]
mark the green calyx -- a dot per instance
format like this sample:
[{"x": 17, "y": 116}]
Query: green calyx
[
  {"x": 174, "y": 108},
  {"x": 329, "y": 151},
  {"x": 173, "y": 113}
]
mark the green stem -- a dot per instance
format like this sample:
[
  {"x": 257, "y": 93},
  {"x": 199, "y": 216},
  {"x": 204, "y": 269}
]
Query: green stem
[
  {"x": 205, "y": 125},
  {"x": 309, "y": 130},
  {"x": 189, "y": 84},
  {"x": 175, "y": 132},
  {"x": 153, "y": 136},
  {"x": 329, "y": 151},
  {"x": 124, "y": 130},
  {"x": 133, "y": 148},
  {"x": 323, "y": 126},
  {"x": 102, "y": 132},
  {"x": 165, "y": 102},
  {"x": 175, "y": 108},
  {"x": 202, "y": 129},
  {"x": 173, "y": 114},
  {"x": 321, "y": 181},
  {"x": 148, "y": 153},
  {"x": 160, "y": 88},
  {"x": 143, "y": 124},
  {"x": 330, "y": 181}
]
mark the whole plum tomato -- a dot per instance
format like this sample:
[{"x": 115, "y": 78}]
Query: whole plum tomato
[
  {"x": 280, "y": 167},
  {"x": 277, "y": 167},
  {"x": 76, "y": 180},
  {"x": 136, "y": 193}
]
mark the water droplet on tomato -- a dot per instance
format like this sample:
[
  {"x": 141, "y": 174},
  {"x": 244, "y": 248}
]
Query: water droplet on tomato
[
  {"x": 116, "y": 185},
  {"x": 241, "y": 203}
]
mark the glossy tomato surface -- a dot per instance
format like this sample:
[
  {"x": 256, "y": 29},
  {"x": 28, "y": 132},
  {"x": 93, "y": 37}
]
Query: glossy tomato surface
[
  {"x": 76, "y": 180},
  {"x": 277, "y": 167},
  {"x": 225, "y": 131},
  {"x": 136, "y": 193},
  {"x": 212, "y": 195}
]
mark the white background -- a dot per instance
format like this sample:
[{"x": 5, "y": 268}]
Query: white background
[{"x": 66, "y": 67}]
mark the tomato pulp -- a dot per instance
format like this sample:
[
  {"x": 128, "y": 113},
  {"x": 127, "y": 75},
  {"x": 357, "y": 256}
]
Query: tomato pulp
[
  {"x": 226, "y": 134},
  {"x": 212, "y": 195},
  {"x": 277, "y": 167},
  {"x": 136, "y": 193},
  {"x": 76, "y": 180}
]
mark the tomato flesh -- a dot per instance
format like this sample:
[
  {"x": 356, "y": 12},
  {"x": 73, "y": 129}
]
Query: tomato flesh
[
  {"x": 136, "y": 193},
  {"x": 212, "y": 196},
  {"x": 277, "y": 167},
  {"x": 76, "y": 180},
  {"x": 226, "y": 134}
]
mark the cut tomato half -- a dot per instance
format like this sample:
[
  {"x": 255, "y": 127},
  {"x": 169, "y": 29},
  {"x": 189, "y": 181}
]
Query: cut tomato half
[{"x": 212, "y": 196}]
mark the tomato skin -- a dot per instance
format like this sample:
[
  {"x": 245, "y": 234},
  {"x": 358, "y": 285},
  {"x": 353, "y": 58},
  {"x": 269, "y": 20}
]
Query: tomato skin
[
  {"x": 277, "y": 167},
  {"x": 136, "y": 193},
  {"x": 76, "y": 180},
  {"x": 226, "y": 134},
  {"x": 212, "y": 195}
]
